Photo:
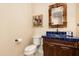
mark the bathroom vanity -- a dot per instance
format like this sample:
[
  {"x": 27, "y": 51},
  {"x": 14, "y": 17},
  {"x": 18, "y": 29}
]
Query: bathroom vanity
[{"x": 58, "y": 44}]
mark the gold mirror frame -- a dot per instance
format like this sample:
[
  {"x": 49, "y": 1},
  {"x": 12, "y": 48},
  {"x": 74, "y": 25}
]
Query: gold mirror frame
[{"x": 64, "y": 15}]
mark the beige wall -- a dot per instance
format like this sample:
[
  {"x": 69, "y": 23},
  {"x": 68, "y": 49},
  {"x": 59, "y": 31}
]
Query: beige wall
[
  {"x": 15, "y": 22},
  {"x": 77, "y": 19},
  {"x": 42, "y": 8}
]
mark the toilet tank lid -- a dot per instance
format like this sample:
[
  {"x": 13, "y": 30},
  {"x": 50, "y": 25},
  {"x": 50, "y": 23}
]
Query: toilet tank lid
[{"x": 38, "y": 36}]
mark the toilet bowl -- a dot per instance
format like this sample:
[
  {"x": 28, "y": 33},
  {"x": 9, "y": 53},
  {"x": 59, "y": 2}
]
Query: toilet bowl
[{"x": 31, "y": 49}]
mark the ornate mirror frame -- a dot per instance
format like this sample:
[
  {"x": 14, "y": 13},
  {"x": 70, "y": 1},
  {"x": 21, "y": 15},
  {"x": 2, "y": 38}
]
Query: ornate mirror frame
[{"x": 64, "y": 6}]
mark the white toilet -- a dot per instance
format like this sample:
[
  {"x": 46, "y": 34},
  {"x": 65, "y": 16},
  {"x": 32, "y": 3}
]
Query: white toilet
[{"x": 32, "y": 49}]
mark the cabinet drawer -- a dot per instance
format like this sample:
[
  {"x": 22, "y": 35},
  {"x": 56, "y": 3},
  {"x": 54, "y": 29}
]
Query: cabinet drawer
[{"x": 60, "y": 42}]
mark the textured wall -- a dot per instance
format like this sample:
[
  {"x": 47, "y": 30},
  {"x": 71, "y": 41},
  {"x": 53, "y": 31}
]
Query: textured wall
[
  {"x": 15, "y": 22},
  {"x": 42, "y": 8}
]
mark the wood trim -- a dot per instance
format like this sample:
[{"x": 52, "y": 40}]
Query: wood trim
[{"x": 64, "y": 15}]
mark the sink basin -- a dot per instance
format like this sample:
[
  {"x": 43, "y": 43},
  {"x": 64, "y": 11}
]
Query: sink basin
[
  {"x": 60, "y": 36},
  {"x": 57, "y": 36}
]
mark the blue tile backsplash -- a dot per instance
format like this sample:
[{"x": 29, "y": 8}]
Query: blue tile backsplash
[{"x": 50, "y": 33}]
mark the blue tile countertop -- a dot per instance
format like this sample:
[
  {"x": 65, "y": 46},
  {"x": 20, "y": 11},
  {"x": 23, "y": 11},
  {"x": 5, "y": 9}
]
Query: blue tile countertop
[
  {"x": 72, "y": 39},
  {"x": 60, "y": 36}
]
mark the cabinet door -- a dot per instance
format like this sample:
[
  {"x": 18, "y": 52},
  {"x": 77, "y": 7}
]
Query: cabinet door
[
  {"x": 67, "y": 51},
  {"x": 49, "y": 50}
]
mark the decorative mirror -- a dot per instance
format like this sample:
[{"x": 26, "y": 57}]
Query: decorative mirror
[{"x": 58, "y": 15}]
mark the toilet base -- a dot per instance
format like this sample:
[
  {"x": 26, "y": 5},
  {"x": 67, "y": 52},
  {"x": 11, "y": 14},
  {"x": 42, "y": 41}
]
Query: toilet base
[{"x": 31, "y": 54}]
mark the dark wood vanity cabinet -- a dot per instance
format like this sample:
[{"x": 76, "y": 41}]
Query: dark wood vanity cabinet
[
  {"x": 49, "y": 49},
  {"x": 60, "y": 48},
  {"x": 67, "y": 51}
]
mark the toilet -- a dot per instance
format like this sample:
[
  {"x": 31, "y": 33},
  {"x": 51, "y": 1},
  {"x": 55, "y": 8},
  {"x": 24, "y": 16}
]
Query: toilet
[{"x": 32, "y": 49}]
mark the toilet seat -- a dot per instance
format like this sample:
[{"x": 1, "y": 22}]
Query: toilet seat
[
  {"x": 29, "y": 50},
  {"x": 32, "y": 49}
]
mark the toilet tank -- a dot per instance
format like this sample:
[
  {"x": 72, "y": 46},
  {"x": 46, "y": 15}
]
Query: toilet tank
[{"x": 37, "y": 40}]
